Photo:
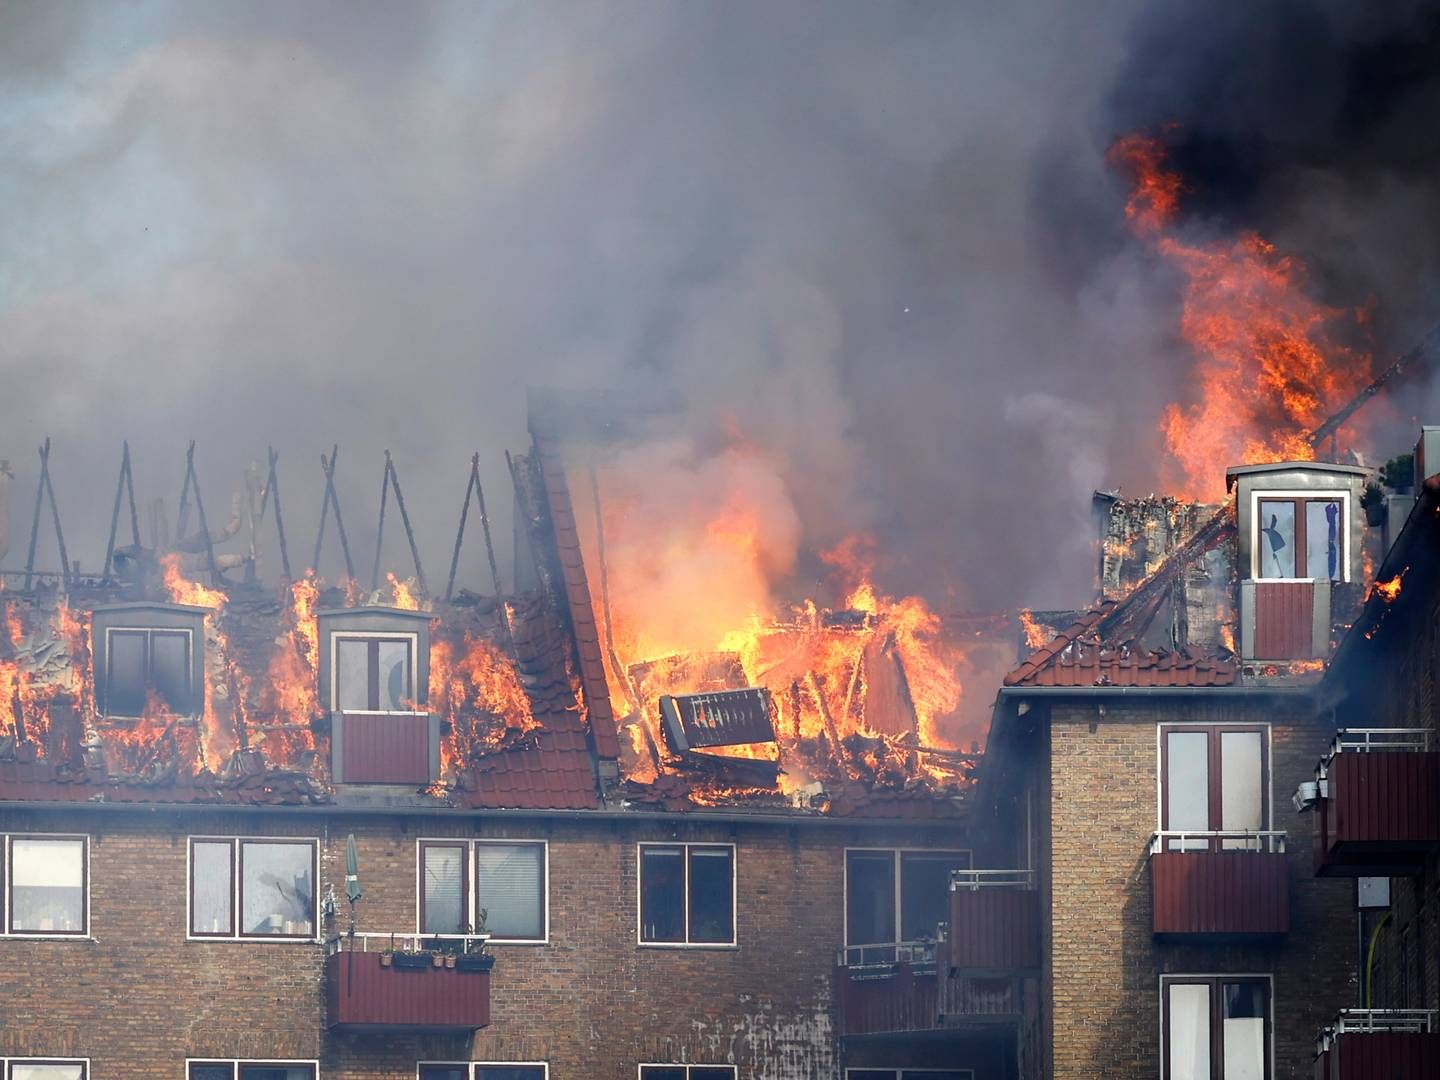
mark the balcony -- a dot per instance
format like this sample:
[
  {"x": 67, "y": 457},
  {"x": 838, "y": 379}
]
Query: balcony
[
  {"x": 897, "y": 990},
  {"x": 1220, "y": 883},
  {"x": 385, "y": 748},
  {"x": 382, "y": 981},
  {"x": 1284, "y": 620},
  {"x": 994, "y": 926},
  {"x": 1379, "y": 1044},
  {"x": 1377, "y": 803}
]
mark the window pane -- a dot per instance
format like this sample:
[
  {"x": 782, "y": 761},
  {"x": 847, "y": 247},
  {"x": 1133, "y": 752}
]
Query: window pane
[
  {"x": 1187, "y": 785},
  {"x": 1189, "y": 1038},
  {"x": 443, "y": 1072},
  {"x": 1240, "y": 784},
  {"x": 210, "y": 878},
  {"x": 211, "y": 1071},
  {"x": 662, "y": 1072},
  {"x": 443, "y": 872},
  {"x": 395, "y": 676},
  {"x": 1322, "y": 540},
  {"x": 19, "y": 1070},
  {"x": 932, "y": 1074},
  {"x": 509, "y": 1072},
  {"x": 277, "y": 1072},
  {"x": 925, "y": 891},
  {"x": 510, "y": 886},
  {"x": 1244, "y": 1031},
  {"x": 1277, "y": 538},
  {"x": 662, "y": 894},
  {"x": 277, "y": 891},
  {"x": 870, "y": 898},
  {"x": 711, "y": 895},
  {"x": 352, "y": 675},
  {"x": 47, "y": 886},
  {"x": 170, "y": 670},
  {"x": 704, "y": 1072},
  {"x": 870, "y": 1074},
  {"x": 125, "y": 686}
]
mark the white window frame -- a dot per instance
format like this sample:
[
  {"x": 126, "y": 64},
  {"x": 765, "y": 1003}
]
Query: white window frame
[
  {"x": 7, "y": 884},
  {"x": 410, "y": 637},
  {"x": 1341, "y": 494},
  {"x": 235, "y": 937},
  {"x": 6, "y": 1062},
  {"x": 235, "y": 1063},
  {"x": 686, "y": 1065},
  {"x": 969, "y": 854},
  {"x": 686, "y": 845},
  {"x": 1219, "y": 976},
  {"x": 470, "y": 843},
  {"x": 471, "y": 1066},
  {"x": 902, "y": 1070},
  {"x": 1170, "y": 725},
  {"x": 189, "y": 670}
]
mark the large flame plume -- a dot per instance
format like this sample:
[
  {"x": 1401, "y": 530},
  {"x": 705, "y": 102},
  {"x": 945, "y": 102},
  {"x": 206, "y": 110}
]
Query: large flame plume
[{"x": 1270, "y": 362}]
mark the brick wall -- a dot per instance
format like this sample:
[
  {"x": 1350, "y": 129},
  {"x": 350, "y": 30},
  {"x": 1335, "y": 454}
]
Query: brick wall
[
  {"x": 1106, "y": 964},
  {"x": 139, "y": 998}
]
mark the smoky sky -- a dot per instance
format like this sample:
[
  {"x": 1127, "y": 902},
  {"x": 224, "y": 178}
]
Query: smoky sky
[{"x": 879, "y": 239}]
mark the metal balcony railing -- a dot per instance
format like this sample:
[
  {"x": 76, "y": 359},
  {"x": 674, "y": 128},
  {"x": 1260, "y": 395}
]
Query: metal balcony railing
[
  {"x": 1370, "y": 1021},
  {"x": 881, "y": 958},
  {"x": 458, "y": 943},
  {"x": 975, "y": 880},
  {"x": 1377, "y": 740},
  {"x": 1269, "y": 841}
]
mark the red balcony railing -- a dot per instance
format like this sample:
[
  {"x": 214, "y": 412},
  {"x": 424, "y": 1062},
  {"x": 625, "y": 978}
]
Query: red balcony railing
[
  {"x": 896, "y": 989},
  {"x": 368, "y": 985},
  {"x": 994, "y": 923},
  {"x": 1379, "y": 1044},
  {"x": 1220, "y": 883},
  {"x": 384, "y": 748},
  {"x": 1377, "y": 802}
]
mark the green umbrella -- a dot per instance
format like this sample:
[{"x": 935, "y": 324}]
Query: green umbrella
[{"x": 352, "y": 870}]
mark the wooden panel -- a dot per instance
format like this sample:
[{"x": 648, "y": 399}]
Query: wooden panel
[
  {"x": 994, "y": 929},
  {"x": 870, "y": 1005},
  {"x": 1384, "y": 800},
  {"x": 1220, "y": 892},
  {"x": 1384, "y": 1055},
  {"x": 360, "y": 992},
  {"x": 1284, "y": 620},
  {"x": 386, "y": 748}
]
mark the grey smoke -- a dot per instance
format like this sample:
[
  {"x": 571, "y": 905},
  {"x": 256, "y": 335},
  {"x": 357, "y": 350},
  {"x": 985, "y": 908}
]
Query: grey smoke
[{"x": 879, "y": 239}]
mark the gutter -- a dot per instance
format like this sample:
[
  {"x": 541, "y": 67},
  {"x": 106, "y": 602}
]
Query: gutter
[
  {"x": 337, "y": 810},
  {"x": 1149, "y": 691}
]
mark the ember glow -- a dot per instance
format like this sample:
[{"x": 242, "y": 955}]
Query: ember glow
[
  {"x": 1389, "y": 591},
  {"x": 1035, "y": 635},
  {"x": 1269, "y": 363},
  {"x": 475, "y": 687}
]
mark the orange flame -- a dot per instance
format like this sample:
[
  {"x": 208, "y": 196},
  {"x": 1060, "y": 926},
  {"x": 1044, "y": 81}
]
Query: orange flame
[
  {"x": 467, "y": 686},
  {"x": 406, "y": 593},
  {"x": 224, "y": 680},
  {"x": 1036, "y": 636},
  {"x": 1269, "y": 368},
  {"x": 1389, "y": 591}
]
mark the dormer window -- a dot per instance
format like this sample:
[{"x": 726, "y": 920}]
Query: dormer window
[
  {"x": 149, "y": 657},
  {"x": 373, "y": 672},
  {"x": 1300, "y": 536}
]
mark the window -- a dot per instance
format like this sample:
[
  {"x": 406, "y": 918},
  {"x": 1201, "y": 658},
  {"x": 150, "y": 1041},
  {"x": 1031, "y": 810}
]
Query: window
[
  {"x": 253, "y": 888},
  {"x": 1214, "y": 779},
  {"x": 1215, "y": 1026},
  {"x": 373, "y": 672},
  {"x": 505, "y": 879},
  {"x": 485, "y": 1070},
  {"x": 251, "y": 1070},
  {"x": 149, "y": 657},
  {"x": 46, "y": 885},
  {"x": 884, "y": 908},
  {"x": 687, "y": 894},
  {"x": 687, "y": 1072},
  {"x": 45, "y": 1068},
  {"x": 909, "y": 1074},
  {"x": 1300, "y": 537}
]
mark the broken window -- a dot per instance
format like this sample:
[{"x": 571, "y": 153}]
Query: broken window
[
  {"x": 145, "y": 665},
  {"x": 373, "y": 673},
  {"x": 45, "y": 1069},
  {"x": 687, "y": 1072},
  {"x": 47, "y": 887},
  {"x": 486, "y": 1070},
  {"x": 687, "y": 894},
  {"x": 1216, "y": 1026},
  {"x": 1300, "y": 537},
  {"x": 879, "y": 901},
  {"x": 506, "y": 879},
  {"x": 1213, "y": 780},
  {"x": 252, "y": 1070},
  {"x": 269, "y": 883}
]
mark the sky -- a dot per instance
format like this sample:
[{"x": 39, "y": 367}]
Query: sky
[{"x": 877, "y": 242}]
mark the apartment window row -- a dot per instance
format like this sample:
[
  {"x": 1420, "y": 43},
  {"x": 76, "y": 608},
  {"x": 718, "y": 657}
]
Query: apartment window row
[
  {"x": 44, "y": 1068},
  {"x": 503, "y": 880},
  {"x": 484, "y": 1070},
  {"x": 1216, "y": 1027},
  {"x": 1214, "y": 779},
  {"x": 44, "y": 884},
  {"x": 909, "y": 1074},
  {"x": 687, "y": 1072},
  {"x": 234, "y": 1069},
  {"x": 896, "y": 897}
]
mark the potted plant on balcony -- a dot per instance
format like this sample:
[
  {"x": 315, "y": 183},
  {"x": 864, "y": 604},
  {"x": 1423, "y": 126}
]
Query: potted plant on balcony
[{"x": 476, "y": 956}]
